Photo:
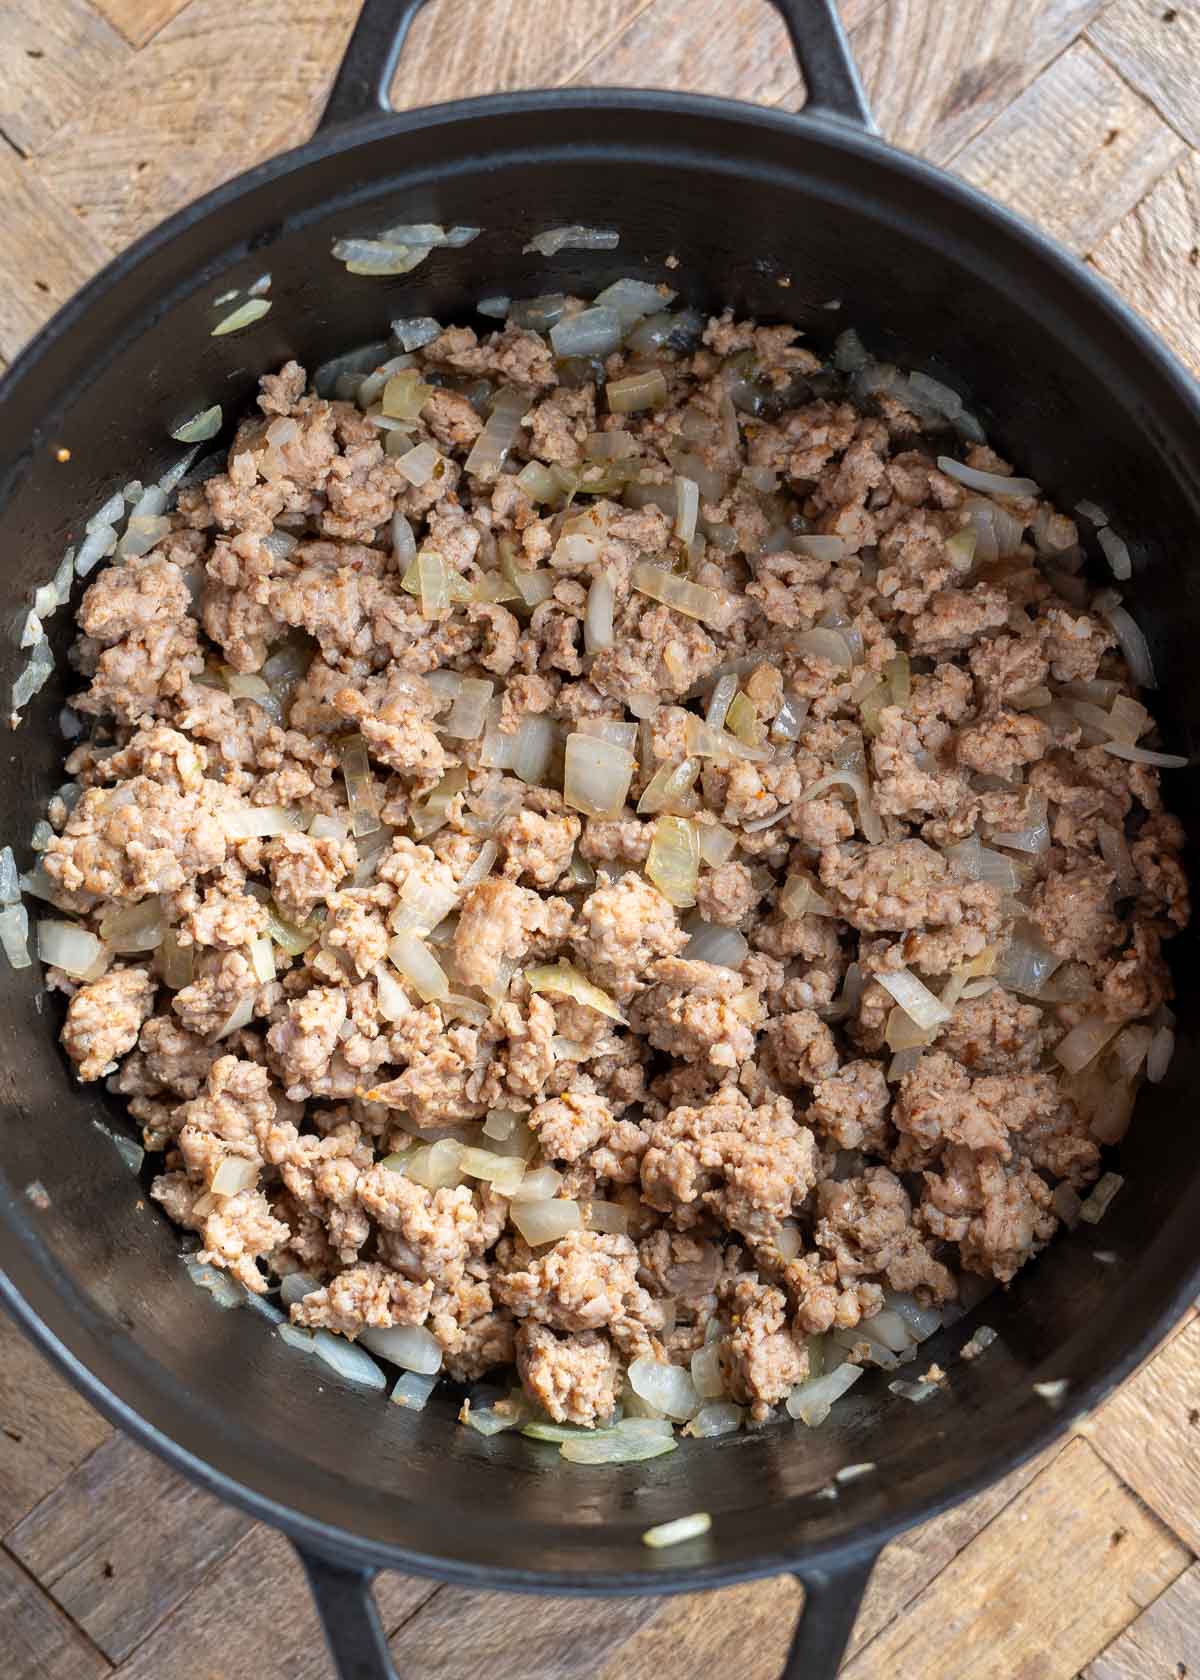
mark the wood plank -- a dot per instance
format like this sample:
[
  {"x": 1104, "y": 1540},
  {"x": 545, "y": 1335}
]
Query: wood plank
[
  {"x": 1074, "y": 152},
  {"x": 746, "y": 1629},
  {"x": 936, "y": 74},
  {"x": 535, "y": 1639},
  {"x": 39, "y": 1641},
  {"x": 209, "y": 101},
  {"x": 1149, "y": 1432},
  {"x": 254, "y": 1616},
  {"x": 999, "y": 1610},
  {"x": 1152, "y": 257},
  {"x": 1164, "y": 1642},
  {"x": 46, "y": 1429},
  {"x": 115, "y": 1580},
  {"x": 458, "y": 48},
  {"x": 138, "y": 20},
  {"x": 55, "y": 53},
  {"x": 1155, "y": 45}
]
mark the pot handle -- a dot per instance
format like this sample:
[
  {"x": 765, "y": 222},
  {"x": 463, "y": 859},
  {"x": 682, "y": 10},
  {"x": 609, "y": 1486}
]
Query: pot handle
[
  {"x": 350, "y": 1617},
  {"x": 363, "y": 82},
  {"x": 831, "y": 1603}
]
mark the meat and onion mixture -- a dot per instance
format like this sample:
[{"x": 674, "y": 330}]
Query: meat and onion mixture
[{"x": 642, "y": 866}]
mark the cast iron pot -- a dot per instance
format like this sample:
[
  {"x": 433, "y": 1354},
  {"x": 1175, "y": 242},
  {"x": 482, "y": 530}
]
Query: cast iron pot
[{"x": 1069, "y": 384}]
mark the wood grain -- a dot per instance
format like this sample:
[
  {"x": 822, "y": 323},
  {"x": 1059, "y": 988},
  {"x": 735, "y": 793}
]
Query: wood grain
[
  {"x": 39, "y": 1642},
  {"x": 46, "y": 1429},
  {"x": 138, "y": 20},
  {"x": 1152, "y": 257},
  {"x": 1164, "y": 1642},
  {"x": 936, "y": 74},
  {"x": 1155, "y": 44},
  {"x": 46, "y": 256},
  {"x": 54, "y": 54},
  {"x": 1000, "y": 1607},
  {"x": 742, "y": 49},
  {"x": 116, "y": 1581},
  {"x": 1074, "y": 152}
]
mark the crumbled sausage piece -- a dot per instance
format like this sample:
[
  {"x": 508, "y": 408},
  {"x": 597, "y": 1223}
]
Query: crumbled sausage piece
[
  {"x": 623, "y": 928},
  {"x": 104, "y": 1018},
  {"x": 760, "y": 1359},
  {"x": 572, "y": 1378}
]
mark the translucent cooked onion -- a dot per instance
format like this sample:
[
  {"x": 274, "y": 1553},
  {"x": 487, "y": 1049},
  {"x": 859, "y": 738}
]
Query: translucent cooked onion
[
  {"x": 1133, "y": 643},
  {"x": 233, "y": 1176},
  {"x": 977, "y": 863},
  {"x": 914, "y": 997},
  {"x": 252, "y": 310},
  {"x": 668, "y": 1388},
  {"x": 706, "y": 742},
  {"x": 868, "y": 817},
  {"x": 901, "y": 1032},
  {"x": 418, "y": 965},
  {"x": 347, "y": 1360},
  {"x": 419, "y": 464},
  {"x": 200, "y": 427},
  {"x": 598, "y": 616},
  {"x": 239, "y": 1016},
  {"x": 811, "y": 1402},
  {"x": 176, "y": 962},
  {"x": 1098, "y": 1203},
  {"x": 135, "y": 927},
  {"x": 717, "y": 844},
  {"x": 1114, "y": 849},
  {"x": 633, "y": 300},
  {"x": 490, "y": 449},
  {"x": 706, "y": 1372},
  {"x": 67, "y": 946},
  {"x": 721, "y": 1417},
  {"x": 360, "y": 786},
  {"x": 262, "y": 959},
  {"x": 379, "y": 256},
  {"x": 799, "y": 897},
  {"x": 592, "y": 332},
  {"x": 414, "y": 333},
  {"x": 670, "y": 789},
  {"x": 628, "y": 1442},
  {"x": 469, "y": 711},
  {"x": 992, "y": 484},
  {"x": 832, "y": 549},
  {"x": 673, "y": 863},
  {"x": 789, "y": 719},
  {"x": 250, "y": 822},
  {"x": 412, "y": 1391},
  {"x": 1143, "y": 755},
  {"x": 676, "y": 1532},
  {"x": 606, "y": 1216},
  {"x": 596, "y": 775},
  {"x": 391, "y": 1000},
  {"x": 503, "y": 1172},
  {"x": 10, "y": 885},
  {"x": 14, "y": 935},
  {"x": 687, "y": 508},
  {"x": 1116, "y": 551},
  {"x": 823, "y": 643},
  {"x": 719, "y": 702},
  {"x": 1085, "y": 1041},
  {"x": 543, "y": 1222},
  {"x": 1034, "y": 838},
  {"x": 637, "y": 391},
  {"x": 711, "y": 943},
  {"x": 572, "y": 238},
  {"x": 710, "y": 606},
  {"x": 541, "y": 1185},
  {"x": 565, "y": 978},
  {"x": 1158, "y": 1058},
  {"x": 609, "y": 729}
]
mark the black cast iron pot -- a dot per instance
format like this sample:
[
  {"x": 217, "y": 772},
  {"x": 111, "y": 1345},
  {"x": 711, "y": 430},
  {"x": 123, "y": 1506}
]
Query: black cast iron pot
[{"x": 1070, "y": 385}]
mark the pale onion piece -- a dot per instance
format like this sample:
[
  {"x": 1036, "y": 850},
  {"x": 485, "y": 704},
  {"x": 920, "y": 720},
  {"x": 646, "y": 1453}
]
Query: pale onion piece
[
  {"x": 673, "y": 863},
  {"x": 542, "y": 1429},
  {"x": 710, "y": 606},
  {"x": 469, "y": 711},
  {"x": 799, "y": 897},
  {"x": 418, "y": 965},
  {"x": 722, "y": 695},
  {"x": 633, "y": 300},
  {"x": 564, "y": 977},
  {"x": 642, "y": 704},
  {"x": 429, "y": 233},
  {"x": 404, "y": 542},
  {"x": 1134, "y": 645},
  {"x": 419, "y": 330},
  {"x": 176, "y": 962},
  {"x": 598, "y": 615},
  {"x": 347, "y": 1359},
  {"x": 717, "y": 844},
  {"x": 391, "y": 1000},
  {"x": 412, "y": 1391},
  {"x": 667, "y": 1388},
  {"x": 410, "y": 1346},
  {"x": 296, "y": 1285},
  {"x": 1116, "y": 551},
  {"x": 915, "y": 998},
  {"x": 1127, "y": 719},
  {"x": 136, "y": 927},
  {"x": 301, "y": 1340},
  {"x": 914, "y": 1391},
  {"x": 503, "y": 1172},
  {"x": 741, "y": 721},
  {"x": 262, "y": 959},
  {"x": 823, "y": 643},
  {"x": 378, "y": 256},
  {"x": 481, "y": 868},
  {"x": 812, "y": 1401},
  {"x": 609, "y": 729},
  {"x": 10, "y": 884},
  {"x": 418, "y": 465},
  {"x": 34, "y": 676},
  {"x": 239, "y": 1016},
  {"x": 596, "y": 775},
  {"x": 1114, "y": 849},
  {"x": 1098, "y": 1203},
  {"x": 67, "y": 946},
  {"x": 541, "y": 1185},
  {"x": 1089, "y": 510},
  {"x": 538, "y": 482},
  {"x": 888, "y": 1328},
  {"x": 1112, "y": 1113},
  {"x": 399, "y": 389},
  {"x": 899, "y": 676},
  {"x": 687, "y": 508},
  {"x": 518, "y": 1140},
  {"x": 676, "y": 1532},
  {"x": 637, "y": 391},
  {"x": 252, "y": 310},
  {"x": 222, "y": 1288},
  {"x": 543, "y": 1222},
  {"x": 435, "y": 1165},
  {"x": 920, "y": 1322},
  {"x": 789, "y": 719},
  {"x": 606, "y": 1216},
  {"x": 31, "y": 630},
  {"x": 14, "y": 935},
  {"x": 234, "y": 1175},
  {"x": 490, "y": 449},
  {"x": 41, "y": 835},
  {"x": 200, "y": 427},
  {"x": 671, "y": 788},
  {"x": 705, "y": 742},
  {"x": 360, "y": 786},
  {"x": 575, "y": 237},
  {"x": 1158, "y": 1059},
  {"x": 979, "y": 864},
  {"x": 111, "y": 513},
  {"x": 902, "y": 1033},
  {"x": 992, "y": 484},
  {"x": 868, "y": 817},
  {"x": 721, "y": 1417},
  {"x": 1143, "y": 755},
  {"x": 592, "y": 332},
  {"x": 1033, "y": 699},
  {"x": 1084, "y": 1042},
  {"x": 627, "y": 1443},
  {"x": 1035, "y": 838},
  {"x": 706, "y": 1372},
  {"x": 723, "y": 946},
  {"x": 500, "y": 1123},
  {"x": 251, "y": 822}
]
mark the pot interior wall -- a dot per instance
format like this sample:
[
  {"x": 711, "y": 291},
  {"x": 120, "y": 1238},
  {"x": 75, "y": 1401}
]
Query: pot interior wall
[{"x": 778, "y": 221}]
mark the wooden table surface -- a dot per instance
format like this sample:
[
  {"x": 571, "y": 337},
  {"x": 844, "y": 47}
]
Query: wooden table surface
[{"x": 1082, "y": 114}]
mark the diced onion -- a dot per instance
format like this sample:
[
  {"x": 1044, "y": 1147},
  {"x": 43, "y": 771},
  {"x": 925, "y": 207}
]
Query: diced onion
[
  {"x": 418, "y": 465},
  {"x": 674, "y": 1533},
  {"x": 799, "y": 897},
  {"x": 391, "y": 1000},
  {"x": 252, "y": 310},
  {"x": 360, "y": 786},
  {"x": 832, "y": 549},
  {"x": 721, "y": 1417},
  {"x": 410, "y": 1346},
  {"x": 564, "y": 977},
  {"x": 379, "y": 256},
  {"x": 541, "y": 1185},
  {"x": 979, "y": 864},
  {"x": 572, "y": 238},
  {"x": 670, "y": 789},
  {"x": 1133, "y": 643},
  {"x": 710, "y": 606},
  {"x": 490, "y": 449},
  {"x": 222, "y": 1288},
  {"x": 435, "y": 1165},
  {"x": 789, "y": 719},
  {"x": 200, "y": 427},
  {"x": 637, "y": 391},
  {"x": 811, "y": 1402},
  {"x": 668, "y": 1388},
  {"x": 1097, "y": 1204},
  {"x": 1034, "y": 838},
  {"x": 914, "y": 1391},
  {"x": 234, "y": 1175},
  {"x": 706, "y": 1372},
  {"x": 596, "y": 775},
  {"x": 71, "y": 948},
  {"x": 503, "y": 1172},
  {"x": 543, "y": 1222},
  {"x": 630, "y": 1442},
  {"x": 606, "y": 1216},
  {"x": 239, "y": 1016},
  {"x": 706, "y": 742},
  {"x": 412, "y": 1391},
  {"x": 399, "y": 389},
  {"x": 868, "y": 817},
  {"x": 262, "y": 959},
  {"x": 633, "y": 300},
  {"x": 914, "y": 997},
  {"x": 992, "y": 484},
  {"x": 469, "y": 711},
  {"x": 1116, "y": 550},
  {"x": 135, "y": 927},
  {"x": 1158, "y": 1058},
  {"x": 259, "y": 822},
  {"x": 673, "y": 863},
  {"x": 717, "y": 844},
  {"x": 1085, "y": 1041},
  {"x": 347, "y": 1360},
  {"x": 687, "y": 508},
  {"x": 416, "y": 332},
  {"x": 418, "y": 965},
  {"x": 1143, "y": 755},
  {"x": 598, "y": 616},
  {"x": 711, "y": 943},
  {"x": 14, "y": 935},
  {"x": 591, "y": 332},
  {"x": 723, "y": 692},
  {"x": 823, "y": 643},
  {"x": 176, "y": 962}
]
